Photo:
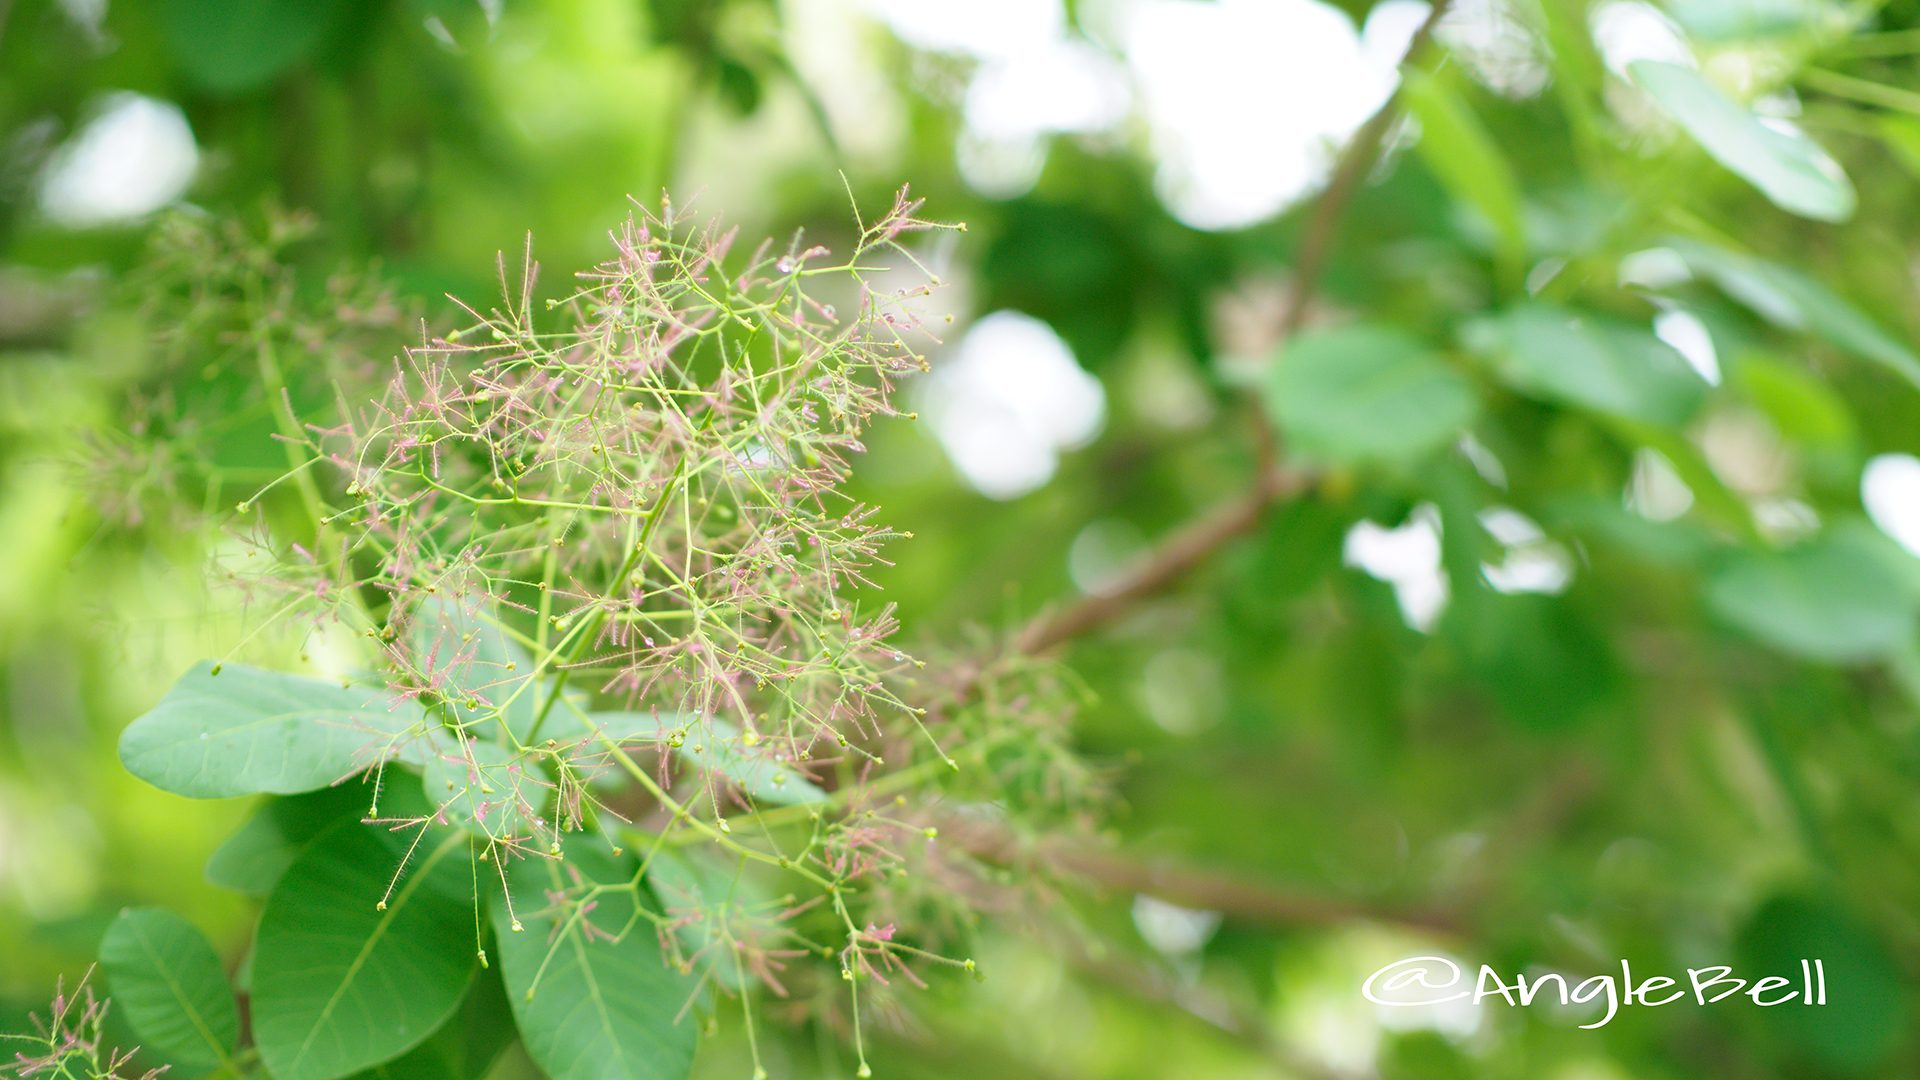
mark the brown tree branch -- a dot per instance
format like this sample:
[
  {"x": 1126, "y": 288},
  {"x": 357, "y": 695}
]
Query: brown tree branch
[
  {"x": 1193, "y": 544},
  {"x": 1186, "y": 549},
  {"x": 1191, "y": 887},
  {"x": 1189, "y": 547},
  {"x": 1349, "y": 173}
]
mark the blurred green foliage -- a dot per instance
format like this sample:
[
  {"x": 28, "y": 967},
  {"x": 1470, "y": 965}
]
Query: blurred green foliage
[{"x": 1645, "y": 687}]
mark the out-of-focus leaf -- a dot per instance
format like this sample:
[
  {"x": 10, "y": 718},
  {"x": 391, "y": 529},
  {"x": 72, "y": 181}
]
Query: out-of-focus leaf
[
  {"x": 1424, "y": 1055},
  {"x": 1366, "y": 394},
  {"x": 1793, "y": 301},
  {"x": 1801, "y": 407},
  {"x": 1458, "y": 149},
  {"x": 247, "y": 731},
  {"x": 1296, "y": 551},
  {"x": 1807, "y": 412},
  {"x": 1713, "y": 499},
  {"x": 167, "y": 981},
  {"x": 1674, "y": 543},
  {"x": 592, "y": 1004},
  {"x": 1789, "y": 168},
  {"x": 1866, "y": 1011},
  {"x": 1745, "y": 20},
  {"x": 254, "y": 857},
  {"x": 344, "y": 979},
  {"x": 1842, "y": 597},
  {"x": 463, "y": 23},
  {"x": 1078, "y": 270},
  {"x": 739, "y": 84},
  {"x": 235, "y": 45},
  {"x": 1591, "y": 361},
  {"x": 1543, "y": 666},
  {"x": 1901, "y": 134}
]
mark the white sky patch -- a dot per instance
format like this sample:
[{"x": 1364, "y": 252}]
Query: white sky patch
[
  {"x": 847, "y": 72},
  {"x": 1062, "y": 86},
  {"x": 1626, "y": 30},
  {"x": 1689, "y": 337},
  {"x": 1655, "y": 268},
  {"x": 1007, "y": 401},
  {"x": 1781, "y": 519},
  {"x": 1408, "y": 558},
  {"x": 1173, "y": 930},
  {"x": 1655, "y": 491},
  {"x": 1389, "y": 29},
  {"x": 1000, "y": 168},
  {"x": 1501, "y": 52},
  {"x": 1532, "y": 563},
  {"x": 1247, "y": 101},
  {"x": 135, "y": 156},
  {"x": 1015, "y": 102},
  {"x": 1890, "y": 488},
  {"x": 982, "y": 28}
]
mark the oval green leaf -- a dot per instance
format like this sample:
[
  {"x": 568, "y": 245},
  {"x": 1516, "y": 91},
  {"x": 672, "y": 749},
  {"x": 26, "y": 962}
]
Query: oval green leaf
[
  {"x": 591, "y": 1005},
  {"x": 1457, "y": 147},
  {"x": 343, "y": 981},
  {"x": 1843, "y": 597},
  {"x": 465, "y": 1047},
  {"x": 1793, "y": 301},
  {"x": 235, "y": 45},
  {"x": 167, "y": 981},
  {"x": 1598, "y": 363},
  {"x": 247, "y": 731},
  {"x": 1789, "y": 168},
  {"x": 1867, "y": 1009},
  {"x": 1366, "y": 394}
]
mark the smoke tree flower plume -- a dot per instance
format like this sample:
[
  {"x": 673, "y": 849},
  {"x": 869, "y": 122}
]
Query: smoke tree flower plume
[
  {"x": 67, "y": 1042},
  {"x": 601, "y": 545},
  {"x": 625, "y": 709}
]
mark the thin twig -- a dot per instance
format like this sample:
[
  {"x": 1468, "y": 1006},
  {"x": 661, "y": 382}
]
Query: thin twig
[
  {"x": 1188, "y": 886},
  {"x": 1356, "y": 161},
  {"x": 1186, "y": 549},
  {"x": 1192, "y": 545}
]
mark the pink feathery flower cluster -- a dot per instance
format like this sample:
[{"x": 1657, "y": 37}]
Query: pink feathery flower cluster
[
  {"x": 635, "y": 487},
  {"x": 67, "y": 1042}
]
